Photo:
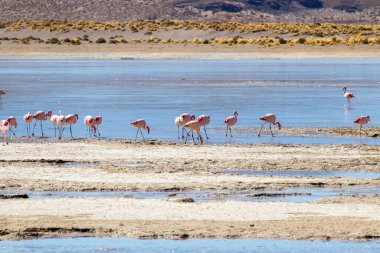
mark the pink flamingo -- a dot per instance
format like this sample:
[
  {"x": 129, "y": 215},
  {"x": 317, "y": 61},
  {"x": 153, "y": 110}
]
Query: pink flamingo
[
  {"x": 1, "y": 100},
  {"x": 61, "y": 122},
  {"x": 230, "y": 121},
  {"x": 204, "y": 120},
  {"x": 139, "y": 124},
  {"x": 70, "y": 120},
  {"x": 192, "y": 126},
  {"x": 4, "y": 125},
  {"x": 347, "y": 95},
  {"x": 41, "y": 116},
  {"x": 362, "y": 120},
  {"x": 53, "y": 120},
  {"x": 98, "y": 121},
  {"x": 269, "y": 118},
  {"x": 28, "y": 118},
  {"x": 181, "y": 120},
  {"x": 90, "y": 123},
  {"x": 12, "y": 122}
]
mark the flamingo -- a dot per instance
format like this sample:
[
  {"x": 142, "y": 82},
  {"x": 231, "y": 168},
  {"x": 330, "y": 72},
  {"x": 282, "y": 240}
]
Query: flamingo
[
  {"x": 269, "y": 118},
  {"x": 1, "y": 101},
  {"x": 362, "y": 120},
  {"x": 181, "y": 120},
  {"x": 53, "y": 120},
  {"x": 40, "y": 116},
  {"x": 98, "y": 121},
  {"x": 12, "y": 122},
  {"x": 230, "y": 121},
  {"x": 348, "y": 95},
  {"x": 194, "y": 125},
  {"x": 61, "y": 122},
  {"x": 4, "y": 125},
  {"x": 70, "y": 120},
  {"x": 28, "y": 118},
  {"x": 139, "y": 124},
  {"x": 204, "y": 120},
  {"x": 90, "y": 123}
]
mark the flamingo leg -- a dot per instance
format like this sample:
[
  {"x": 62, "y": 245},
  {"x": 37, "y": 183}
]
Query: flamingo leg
[
  {"x": 261, "y": 129},
  {"x": 71, "y": 132},
  {"x": 270, "y": 128},
  {"x": 42, "y": 131},
  {"x": 361, "y": 130},
  {"x": 137, "y": 134},
  {"x": 142, "y": 134},
  {"x": 63, "y": 129},
  {"x": 55, "y": 131},
  {"x": 230, "y": 132},
  {"x": 226, "y": 130},
  {"x": 192, "y": 135},
  {"x": 204, "y": 128},
  {"x": 10, "y": 129},
  {"x": 34, "y": 128},
  {"x": 98, "y": 131},
  {"x": 178, "y": 131}
]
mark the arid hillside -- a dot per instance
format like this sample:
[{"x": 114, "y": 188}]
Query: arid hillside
[{"x": 339, "y": 11}]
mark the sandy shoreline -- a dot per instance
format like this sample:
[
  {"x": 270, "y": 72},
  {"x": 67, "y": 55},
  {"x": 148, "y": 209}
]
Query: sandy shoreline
[
  {"x": 119, "y": 165},
  {"x": 186, "y": 52}
]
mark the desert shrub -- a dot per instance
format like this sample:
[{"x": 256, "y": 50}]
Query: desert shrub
[
  {"x": 75, "y": 42},
  {"x": 112, "y": 41},
  {"x": 133, "y": 29},
  {"x": 4, "y": 38},
  {"x": 197, "y": 41},
  {"x": 67, "y": 40},
  {"x": 282, "y": 41},
  {"x": 101, "y": 40},
  {"x": 53, "y": 41},
  {"x": 301, "y": 40},
  {"x": 206, "y": 41},
  {"x": 148, "y": 33}
]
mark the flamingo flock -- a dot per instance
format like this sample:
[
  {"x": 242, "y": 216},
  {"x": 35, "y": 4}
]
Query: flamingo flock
[{"x": 187, "y": 122}]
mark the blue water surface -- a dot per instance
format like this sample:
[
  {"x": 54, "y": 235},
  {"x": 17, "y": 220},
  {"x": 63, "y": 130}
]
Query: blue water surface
[
  {"x": 299, "y": 92},
  {"x": 89, "y": 244}
]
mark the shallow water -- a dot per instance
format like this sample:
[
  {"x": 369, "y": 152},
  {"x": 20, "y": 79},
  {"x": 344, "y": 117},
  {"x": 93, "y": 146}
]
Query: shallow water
[
  {"x": 91, "y": 244},
  {"x": 306, "y": 173},
  {"x": 159, "y": 90},
  {"x": 290, "y": 194}
]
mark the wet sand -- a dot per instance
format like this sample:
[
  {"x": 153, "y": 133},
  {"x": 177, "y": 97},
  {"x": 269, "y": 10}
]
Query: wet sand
[{"x": 122, "y": 165}]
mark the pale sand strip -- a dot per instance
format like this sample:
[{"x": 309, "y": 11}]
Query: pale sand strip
[
  {"x": 186, "y": 56},
  {"x": 152, "y": 209}
]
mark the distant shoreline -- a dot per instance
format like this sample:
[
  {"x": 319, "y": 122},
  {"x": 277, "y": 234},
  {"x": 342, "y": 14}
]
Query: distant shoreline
[{"x": 180, "y": 52}]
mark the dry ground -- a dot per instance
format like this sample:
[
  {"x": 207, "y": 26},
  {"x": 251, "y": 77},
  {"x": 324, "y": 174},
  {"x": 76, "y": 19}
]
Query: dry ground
[{"x": 119, "y": 164}]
